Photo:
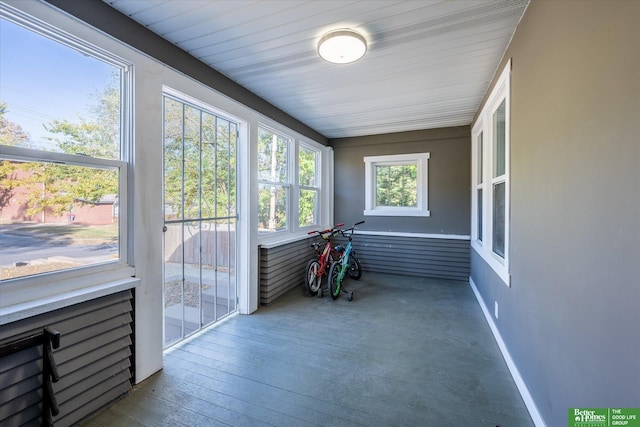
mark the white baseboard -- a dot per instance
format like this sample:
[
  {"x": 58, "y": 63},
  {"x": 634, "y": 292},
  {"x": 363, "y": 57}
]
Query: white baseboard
[{"x": 517, "y": 378}]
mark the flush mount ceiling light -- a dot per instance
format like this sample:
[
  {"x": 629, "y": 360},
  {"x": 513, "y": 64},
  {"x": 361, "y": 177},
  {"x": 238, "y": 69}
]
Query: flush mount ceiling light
[{"x": 342, "y": 46}]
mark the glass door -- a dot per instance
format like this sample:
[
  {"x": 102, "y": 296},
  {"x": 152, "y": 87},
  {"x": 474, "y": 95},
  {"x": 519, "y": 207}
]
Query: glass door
[{"x": 199, "y": 218}]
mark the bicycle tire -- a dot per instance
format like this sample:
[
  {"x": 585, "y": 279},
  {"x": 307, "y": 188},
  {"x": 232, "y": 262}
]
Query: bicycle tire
[
  {"x": 333, "y": 280},
  {"x": 312, "y": 280},
  {"x": 355, "y": 269}
]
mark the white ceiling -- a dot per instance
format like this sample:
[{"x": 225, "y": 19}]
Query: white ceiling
[{"x": 428, "y": 65}]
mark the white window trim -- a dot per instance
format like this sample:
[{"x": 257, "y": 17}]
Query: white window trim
[
  {"x": 422, "y": 162},
  {"x": 24, "y": 294},
  {"x": 287, "y": 184},
  {"x": 315, "y": 187},
  {"x": 484, "y": 126}
]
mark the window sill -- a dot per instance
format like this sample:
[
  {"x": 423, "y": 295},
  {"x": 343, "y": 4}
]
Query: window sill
[
  {"x": 396, "y": 212},
  {"x": 276, "y": 241},
  {"x": 33, "y": 308},
  {"x": 500, "y": 269}
]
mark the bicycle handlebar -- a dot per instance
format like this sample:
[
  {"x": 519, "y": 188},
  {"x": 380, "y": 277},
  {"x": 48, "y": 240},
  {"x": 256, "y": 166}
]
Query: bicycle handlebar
[
  {"x": 328, "y": 230},
  {"x": 335, "y": 229},
  {"x": 351, "y": 228}
]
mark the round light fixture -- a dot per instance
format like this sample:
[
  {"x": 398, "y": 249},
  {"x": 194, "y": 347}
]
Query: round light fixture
[{"x": 342, "y": 46}]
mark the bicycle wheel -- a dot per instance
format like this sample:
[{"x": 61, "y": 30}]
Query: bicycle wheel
[
  {"x": 313, "y": 280},
  {"x": 334, "y": 280},
  {"x": 355, "y": 269}
]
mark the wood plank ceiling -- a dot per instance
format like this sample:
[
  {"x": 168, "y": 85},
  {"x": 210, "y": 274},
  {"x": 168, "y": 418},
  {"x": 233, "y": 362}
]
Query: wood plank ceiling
[{"x": 428, "y": 63}]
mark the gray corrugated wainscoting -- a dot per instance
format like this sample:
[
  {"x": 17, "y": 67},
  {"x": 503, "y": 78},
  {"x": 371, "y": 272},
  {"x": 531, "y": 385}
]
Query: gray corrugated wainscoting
[
  {"x": 414, "y": 256},
  {"x": 282, "y": 268},
  {"x": 94, "y": 361}
]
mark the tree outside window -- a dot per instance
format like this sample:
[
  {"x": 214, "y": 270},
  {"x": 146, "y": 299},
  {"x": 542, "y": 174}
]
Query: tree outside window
[
  {"x": 397, "y": 185},
  {"x": 273, "y": 181}
]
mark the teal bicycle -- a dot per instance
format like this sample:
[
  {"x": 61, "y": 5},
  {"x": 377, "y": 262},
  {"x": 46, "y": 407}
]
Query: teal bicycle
[{"x": 348, "y": 264}]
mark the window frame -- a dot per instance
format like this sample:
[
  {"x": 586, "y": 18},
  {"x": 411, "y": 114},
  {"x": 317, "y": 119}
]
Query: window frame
[
  {"x": 483, "y": 142},
  {"x": 286, "y": 185},
  {"x": 293, "y": 229},
  {"x": 421, "y": 160},
  {"x": 48, "y": 286},
  {"x": 315, "y": 188}
]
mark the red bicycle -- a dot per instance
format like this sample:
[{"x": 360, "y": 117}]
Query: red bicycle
[{"x": 318, "y": 267}]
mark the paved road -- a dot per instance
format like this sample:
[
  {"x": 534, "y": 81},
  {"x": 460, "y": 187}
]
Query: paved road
[{"x": 20, "y": 247}]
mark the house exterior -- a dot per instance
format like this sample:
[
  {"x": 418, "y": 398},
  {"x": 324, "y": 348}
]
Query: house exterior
[{"x": 563, "y": 299}]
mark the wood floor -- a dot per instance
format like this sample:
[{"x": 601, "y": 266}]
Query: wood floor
[{"x": 405, "y": 352}]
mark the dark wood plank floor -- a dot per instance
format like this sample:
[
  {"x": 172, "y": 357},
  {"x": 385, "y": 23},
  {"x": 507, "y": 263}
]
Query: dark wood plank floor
[{"x": 406, "y": 352}]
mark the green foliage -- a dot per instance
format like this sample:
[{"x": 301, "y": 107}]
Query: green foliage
[
  {"x": 307, "y": 161},
  {"x": 272, "y": 157},
  {"x": 307, "y": 176},
  {"x": 8, "y": 182},
  {"x": 57, "y": 187},
  {"x": 10, "y": 133},
  {"x": 307, "y": 207},
  {"x": 273, "y": 173},
  {"x": 272, "y": 207},
  {"x": 396, "y": 185},
  {"x": 199, "y": 163}
]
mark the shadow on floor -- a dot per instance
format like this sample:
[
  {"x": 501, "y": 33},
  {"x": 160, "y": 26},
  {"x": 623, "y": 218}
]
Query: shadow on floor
[{"x": 406, "y": 351}]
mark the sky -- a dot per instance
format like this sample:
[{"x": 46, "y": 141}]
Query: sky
[{"x": 42, "y": 80}]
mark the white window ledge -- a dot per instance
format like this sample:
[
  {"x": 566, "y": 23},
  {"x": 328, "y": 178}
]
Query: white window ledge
[
  {"x": 396, "y": 211},
  {"x": 33, "y": 308},
  {"x": 283, "y": 240}
]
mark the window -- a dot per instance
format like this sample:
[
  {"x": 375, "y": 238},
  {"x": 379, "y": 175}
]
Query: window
[
  {"x": 273, "y": 181},
  {"x": 289, "y": 176},
  {"x": 308, "y": 185},
  {"x": 63, "y": 152},
  {"x": 490, "y": 198},
  {"x": 396, "y": 185}
]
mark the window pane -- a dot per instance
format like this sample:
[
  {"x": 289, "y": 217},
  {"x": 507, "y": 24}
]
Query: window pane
[
  {"x": 307, "y": 166},
  {"x": 499, "y": 213},
  {"x": 212, "y": 168},
  {"x": 499, "y": 140},
  {"x": 233, "y": 140},
  {"x": 191, "y": 184},
  {"x": 480, "y": 158},
  {"x": 60, "y": 217},
  {"x": 173, "y": 166},
  {"x": 56, "y": 98},
  {"x": 225, "y": 168},
  {"x": 272, "y": 157},
  {"x": 479, "y": 214},
  {"x": 308, "y": 201},
  {"x": 272, "y": 209},
  {"x": 397, "y": 185}
]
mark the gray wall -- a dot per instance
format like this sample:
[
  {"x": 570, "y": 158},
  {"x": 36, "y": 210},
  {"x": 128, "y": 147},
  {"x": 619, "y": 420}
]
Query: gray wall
[
  {"x": 571, "y": 318},
  {"x": 93, "y": 360},
  {"x": 449, "y": 178},
  {"x": 411, "y": 256},
  {"x": 282, "y": 268}
]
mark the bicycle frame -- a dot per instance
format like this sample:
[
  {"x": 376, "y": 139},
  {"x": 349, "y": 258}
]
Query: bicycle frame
[
  {"x": 344, "y": 260},
  {"x": 342, "y": 266},
  {"x": 325, "y": 256}
]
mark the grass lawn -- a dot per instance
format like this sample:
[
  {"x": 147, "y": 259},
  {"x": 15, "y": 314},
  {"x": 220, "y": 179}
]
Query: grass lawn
[{"x": 75, "y": 231}]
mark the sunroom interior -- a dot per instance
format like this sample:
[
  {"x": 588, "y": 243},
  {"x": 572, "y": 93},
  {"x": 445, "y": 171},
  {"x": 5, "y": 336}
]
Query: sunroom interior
[{"x": 512, "y": 125}]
